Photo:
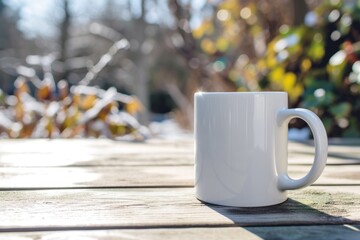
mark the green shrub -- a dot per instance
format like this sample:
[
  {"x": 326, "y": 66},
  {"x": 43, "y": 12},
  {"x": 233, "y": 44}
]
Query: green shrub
[{"x": 318, "y": 64}]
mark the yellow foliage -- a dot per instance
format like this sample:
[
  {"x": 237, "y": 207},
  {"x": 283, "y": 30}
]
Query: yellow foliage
[
  {"x": 76, "y": 99},
  {"x": 261, "y": 65},
  {"x": 121, "y": 130},
  {"x": 233, "y": 75},
  {"x": 105, "y": 111},
  {"x": 208, "y": 46},
  {"x": 49, "y": 126},
  {"x": 289, "y": 81},
  {"x": 205, "y": 28},
  {"x": 72, "y": 117},
  {"x": 198, "y": 32},
  {"x": 228, "y": 26},
  {"x": 295, "y": 92},
  {"x": 271, "y": 60},
  {"x": 133, "y": 106},
  {"x": 88, "y": 101},
  {"x": 250, "y": 72},
  {"x": 256, "y": 30},
  {"x": 271, "y": 47},
  {"x": 289, "y": 85},
  {"x": 317, "y": 51},
  {"x": 242, "y": 89},
  {"x": 276, "y": 75},
  {"x": 20, "y": 87},
  {"x": 222, "y": 44},
  {"x": 231, "y": 35},
  {"x": 232, "y": 6},
  {"x": 44, "y": 92},
  {"x": 19, "y": 112},
  {"x": 305, "y": 65}
]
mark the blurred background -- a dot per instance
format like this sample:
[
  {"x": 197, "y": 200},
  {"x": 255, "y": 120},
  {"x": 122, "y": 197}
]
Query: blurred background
[{"x": 128, "y": 69}]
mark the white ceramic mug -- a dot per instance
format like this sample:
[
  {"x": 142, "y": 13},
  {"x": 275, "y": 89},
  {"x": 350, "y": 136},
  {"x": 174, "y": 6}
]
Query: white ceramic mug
[{"x": 241, "y": 148}]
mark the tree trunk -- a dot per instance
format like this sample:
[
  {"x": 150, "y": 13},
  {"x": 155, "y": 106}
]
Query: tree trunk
[
  {"x": 64, "y": 35},
  {"x": 141, "y": 79},
  {"x": 300, "y": 10}
]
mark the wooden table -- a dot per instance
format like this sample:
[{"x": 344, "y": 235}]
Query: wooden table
[{"x": 100, "y": 189}]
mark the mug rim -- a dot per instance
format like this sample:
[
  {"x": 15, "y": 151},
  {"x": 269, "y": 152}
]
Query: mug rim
[{"x": 199, "y": 93}]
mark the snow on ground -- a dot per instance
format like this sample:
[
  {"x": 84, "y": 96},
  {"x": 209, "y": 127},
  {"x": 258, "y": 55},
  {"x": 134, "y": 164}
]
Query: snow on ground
[{"x": 169, "y": 129}]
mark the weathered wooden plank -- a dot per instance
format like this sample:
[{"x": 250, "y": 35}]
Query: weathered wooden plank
[
  {"x": 103, "y": 152},
  {"x": 70, "y": 177},
  {"x": 90, "y": 160},
  {"x": 141, "y": 176},
  {"x": 333, "y": 232},
  {"x": 332, "y": 174},
  {"x": 166, "y": 234},
  {"x": 93, "y": 153},
  {"x": 93, "y": 146},
  {"x": 136, "y": 159},
  {"x": 296, "y": 158},
  {"x": 124, "y": 208}
]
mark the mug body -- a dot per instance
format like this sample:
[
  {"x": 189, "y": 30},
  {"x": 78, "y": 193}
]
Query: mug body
[{"x": 239, "y": 148}]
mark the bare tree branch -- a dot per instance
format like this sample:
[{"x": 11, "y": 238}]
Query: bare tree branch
[{"x": 123, "y": 44}]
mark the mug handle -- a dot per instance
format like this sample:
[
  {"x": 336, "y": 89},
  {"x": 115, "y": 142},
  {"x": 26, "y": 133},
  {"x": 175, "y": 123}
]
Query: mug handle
[{"x": 321, "y": 145}]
